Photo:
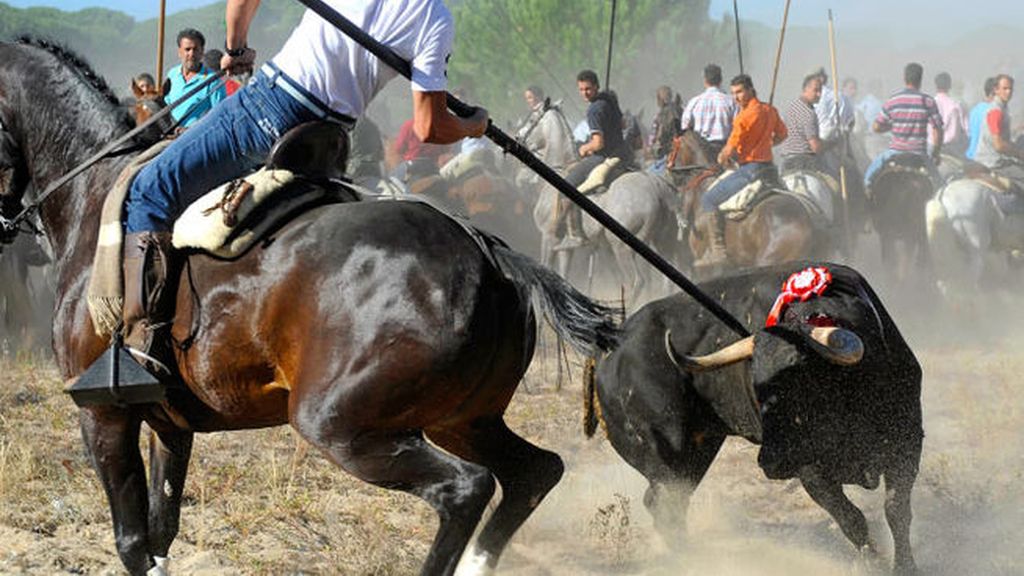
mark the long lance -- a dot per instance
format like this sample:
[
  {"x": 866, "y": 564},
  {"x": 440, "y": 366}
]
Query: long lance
[
  {"x": 778, "y": 53},
  {"x": 510, "y": 146},
  {"x": 160, "y": 44},
  {"x": 739, "y": 43},
  {"x": 839, "y": 125},
  {"x": 611, "y": 41}
]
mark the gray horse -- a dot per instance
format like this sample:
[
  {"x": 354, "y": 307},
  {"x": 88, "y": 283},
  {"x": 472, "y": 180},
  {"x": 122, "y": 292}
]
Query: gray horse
[{"x": 645, "y": 204}]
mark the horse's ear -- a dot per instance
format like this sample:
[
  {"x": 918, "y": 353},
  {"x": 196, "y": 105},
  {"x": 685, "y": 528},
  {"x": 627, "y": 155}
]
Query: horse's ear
[
  {"x": 166, "y": 89},
  {"x": 136, "y": 90}
]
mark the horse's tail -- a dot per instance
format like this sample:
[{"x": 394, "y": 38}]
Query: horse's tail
[{"x": 589, "y": 327}]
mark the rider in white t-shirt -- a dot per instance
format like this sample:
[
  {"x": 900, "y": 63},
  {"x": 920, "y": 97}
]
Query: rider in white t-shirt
[{"x": 319, "y": 74}]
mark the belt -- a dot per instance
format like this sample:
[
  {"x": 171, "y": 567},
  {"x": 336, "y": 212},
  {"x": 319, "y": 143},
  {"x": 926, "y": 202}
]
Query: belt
[{"x": 304, "y": 97}]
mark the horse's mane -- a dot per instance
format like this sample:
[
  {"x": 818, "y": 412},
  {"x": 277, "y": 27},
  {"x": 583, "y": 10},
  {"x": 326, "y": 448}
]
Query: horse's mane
[{"x": 74, "y": 62}]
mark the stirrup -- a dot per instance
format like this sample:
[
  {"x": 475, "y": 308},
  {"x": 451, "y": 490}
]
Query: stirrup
[
  {"x": 570, "y": 243},
  {"x": 117, "y": 378}
]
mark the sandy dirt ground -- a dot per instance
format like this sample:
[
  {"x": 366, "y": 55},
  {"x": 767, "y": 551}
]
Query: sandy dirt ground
[{"x": 258, "y": 502}]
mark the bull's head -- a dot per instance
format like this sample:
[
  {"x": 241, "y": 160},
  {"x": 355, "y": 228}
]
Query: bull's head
[{"x": 800, "y": 372}]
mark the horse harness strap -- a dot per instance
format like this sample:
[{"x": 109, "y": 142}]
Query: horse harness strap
[{"x": 11, "y": 226}]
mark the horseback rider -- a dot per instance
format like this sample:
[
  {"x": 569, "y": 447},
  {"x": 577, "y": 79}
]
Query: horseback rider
[
  {"x": 834, "y": 126},
  {"x": 755, "y": 130},
  {"x": 908, "y": 114},
  {"x": 977, "y": 117},
  {"x": 800, "y": 150},
  {"x": 954, "y": 121},
  {"x": 319, "y": 74},
  {"x": 711, "y": 112},
  {"x": 604, "y": 118},
  {"x": 996, "y": 149},
  {"x": 190, "y": 73},
  {"x": 665, "y": 127}
]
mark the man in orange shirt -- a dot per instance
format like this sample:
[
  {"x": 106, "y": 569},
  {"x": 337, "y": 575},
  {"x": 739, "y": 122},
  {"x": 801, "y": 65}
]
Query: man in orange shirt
[{"x": 755, "y": 130}]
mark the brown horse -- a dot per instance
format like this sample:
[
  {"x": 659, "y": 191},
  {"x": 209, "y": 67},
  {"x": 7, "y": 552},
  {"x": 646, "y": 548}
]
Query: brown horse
[
  {"x": 379, "y": 330},
  {"x": 777, "y": 229},
  {"x": 148, "y": 102}
]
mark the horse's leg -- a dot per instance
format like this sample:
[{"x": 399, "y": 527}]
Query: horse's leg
[
  {"x": 403, "y": 460},
  {"x": 169, "y": 454},
  {"x": 111, "y": 437},
  {"x": 526, "y": 474},
  {"x": 630, "y": 271},
  {"x": 829, "y": 495},
  {"x": 899, "y": 481}
]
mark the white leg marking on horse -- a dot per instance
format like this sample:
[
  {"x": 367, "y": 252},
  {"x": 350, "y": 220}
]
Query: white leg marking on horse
[
  {"x": 161, "y": 568},
  {"x": 474, "y": 563},
  {"x": 168, "y": 491}
]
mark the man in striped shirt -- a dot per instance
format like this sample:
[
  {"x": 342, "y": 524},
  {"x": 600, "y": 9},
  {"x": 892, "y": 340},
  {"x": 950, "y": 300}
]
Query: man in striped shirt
[
  {"x": 800, "y": 150},
  {"x": 908, "y": 115},
  {"x": 711, "y": 112}
]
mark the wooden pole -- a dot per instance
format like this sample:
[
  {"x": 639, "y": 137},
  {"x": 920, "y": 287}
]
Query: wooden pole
[
  {"x": 160, "y": 45},
  {"x": 839, "y": 126},
  {"x": 739, "y": 43},
  {"x": 778, "y": 53},
  {"x": 611, "y": 40}
]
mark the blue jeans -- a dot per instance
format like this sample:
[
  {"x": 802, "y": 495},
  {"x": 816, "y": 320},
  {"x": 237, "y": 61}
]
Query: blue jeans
[
  {"x": 879, "y": 160},
  {"x": 230, "y": 141},
  {"x": 731, "y": 184}
]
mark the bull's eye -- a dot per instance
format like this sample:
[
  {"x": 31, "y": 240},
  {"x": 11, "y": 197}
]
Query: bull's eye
[{"x": 820, "y": 320}]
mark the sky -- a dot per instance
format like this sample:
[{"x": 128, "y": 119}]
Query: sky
[{"x": 139, "y": 9}]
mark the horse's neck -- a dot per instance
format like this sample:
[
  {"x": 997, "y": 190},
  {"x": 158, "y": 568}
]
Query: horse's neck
[{"x": 558, "y": 138}]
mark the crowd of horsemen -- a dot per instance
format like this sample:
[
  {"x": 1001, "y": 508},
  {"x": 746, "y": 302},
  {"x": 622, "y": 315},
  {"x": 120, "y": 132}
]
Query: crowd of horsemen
[{"x": 840, "y": 140}]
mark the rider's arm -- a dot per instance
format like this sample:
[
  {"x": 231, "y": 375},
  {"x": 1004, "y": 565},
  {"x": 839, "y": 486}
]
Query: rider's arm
[
  {"x": 434, "y": 124},
  {"x": 1002, "y": 145},
  {"x": 781, "y": 132},
  {"x": 596, "y": 144},
  {"x": 238, "y": 16}
]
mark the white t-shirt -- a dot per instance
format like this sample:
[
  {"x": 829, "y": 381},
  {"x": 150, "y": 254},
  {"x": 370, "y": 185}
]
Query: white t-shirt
[{"x": 343, "y": 75}]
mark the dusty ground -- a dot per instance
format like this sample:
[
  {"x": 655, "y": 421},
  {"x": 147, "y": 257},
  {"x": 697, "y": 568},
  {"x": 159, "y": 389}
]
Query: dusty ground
[{"x": 256, "y": 505}]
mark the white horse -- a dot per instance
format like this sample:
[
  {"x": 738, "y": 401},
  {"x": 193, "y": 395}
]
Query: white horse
[
  {"x": 971, "y": 239},
  {"x": 645, "y": 204},
  {"x": 548, "y": 135}
]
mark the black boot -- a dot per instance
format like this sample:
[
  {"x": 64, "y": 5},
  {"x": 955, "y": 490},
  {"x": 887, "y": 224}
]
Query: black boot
[{"x": 149, "y": 296}]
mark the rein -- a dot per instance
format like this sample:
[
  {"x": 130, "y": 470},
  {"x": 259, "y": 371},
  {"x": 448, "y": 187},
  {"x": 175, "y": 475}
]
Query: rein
[{"x": 11, "y": 227}]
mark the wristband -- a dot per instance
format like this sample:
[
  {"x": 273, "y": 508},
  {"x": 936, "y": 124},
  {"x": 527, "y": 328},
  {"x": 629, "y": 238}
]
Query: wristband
[{"x": 235, "y": 52}]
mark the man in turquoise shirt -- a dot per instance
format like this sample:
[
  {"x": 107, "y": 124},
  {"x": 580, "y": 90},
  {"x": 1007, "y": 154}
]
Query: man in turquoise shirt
[
  {"x": 977, "y": 117},
  {"x": 188, "y": 75}
]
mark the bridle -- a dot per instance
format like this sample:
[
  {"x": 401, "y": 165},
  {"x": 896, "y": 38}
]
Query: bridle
[{"x": 9, "y": 228}]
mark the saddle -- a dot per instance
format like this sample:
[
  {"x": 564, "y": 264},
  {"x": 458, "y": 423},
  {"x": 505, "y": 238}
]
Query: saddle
[
  {"x": 819, "y": 200},
  {"x": 602, "y": 176},
  {"x": 250, "y": 207},
  {"x": 740, "y": 204}
]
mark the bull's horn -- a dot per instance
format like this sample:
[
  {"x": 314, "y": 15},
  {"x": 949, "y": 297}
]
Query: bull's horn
[
  {"x": 731, "y": 354},
  {"x": 838, "y": 345}
]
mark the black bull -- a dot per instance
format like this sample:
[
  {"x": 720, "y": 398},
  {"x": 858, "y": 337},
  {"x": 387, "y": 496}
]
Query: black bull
[{"x": 830, "y": 407}]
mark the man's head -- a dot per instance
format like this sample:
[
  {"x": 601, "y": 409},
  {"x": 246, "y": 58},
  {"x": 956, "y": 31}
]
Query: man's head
[
  {"x": 943, "y": 82},
  {"x": 534, "y": 95},
  {"x": 990, "y": 87},
  {"x": 1004, "y": 88},
  {"x": 211, "y": 59},
  {"x": 850, "y": 88},
  {"x": 191, "y": 44},
  {"x": 145, "y": 83},
  {"x": 812, "y": 90},
  {"x": 663, "y": 95},
  {"x": 712, "y": 75},
  {"x": 743, "y": 89},
  {"x": 586, "y": 82},
  {"x": 819, "y": 72},
  {"x": 912, "y": 75}
]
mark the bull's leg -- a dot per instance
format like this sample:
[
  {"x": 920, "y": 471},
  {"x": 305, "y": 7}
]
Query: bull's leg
[
  {"x": 403, "y": 460},
  {"x": 899, "y": 480},
  {"x": 668, "y": 496},
  {"x": 526, "y": 474},
  {"x": 169, "y": 454},
  {"x": 829, "y": 495},
  {"x": 111, "y": 438}
]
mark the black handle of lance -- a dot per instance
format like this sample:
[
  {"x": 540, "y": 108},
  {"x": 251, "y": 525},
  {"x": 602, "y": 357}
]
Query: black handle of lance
[{"x": 511, "y": 146}]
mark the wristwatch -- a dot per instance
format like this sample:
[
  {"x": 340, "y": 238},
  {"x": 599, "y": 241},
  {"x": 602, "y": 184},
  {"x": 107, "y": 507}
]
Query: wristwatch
[{"x": 235, "y": 52}]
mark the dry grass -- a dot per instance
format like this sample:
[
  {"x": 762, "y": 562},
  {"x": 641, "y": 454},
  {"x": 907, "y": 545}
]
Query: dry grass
[{"x": 259, "y": 503}]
